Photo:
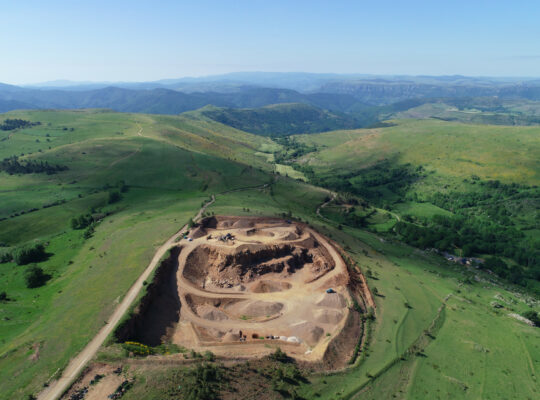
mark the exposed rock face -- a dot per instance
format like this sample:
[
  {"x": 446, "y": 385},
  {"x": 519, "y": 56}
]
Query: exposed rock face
[
  {"x": 158, "y": 310},
  {"x": 208, "y": 265},
  {"x": 266, "y": 260}
]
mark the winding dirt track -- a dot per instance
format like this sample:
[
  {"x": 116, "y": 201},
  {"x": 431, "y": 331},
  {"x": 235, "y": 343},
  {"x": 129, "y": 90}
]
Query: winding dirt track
[
  {"x": 74, "y": 368},
  {"x": 332, "y": 198}
]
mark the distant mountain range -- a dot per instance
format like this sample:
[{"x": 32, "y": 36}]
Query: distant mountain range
[{"x": 338, "y": 93}]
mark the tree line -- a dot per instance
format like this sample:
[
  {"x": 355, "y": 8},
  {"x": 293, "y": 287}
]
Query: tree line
[
  {"x": 16, "y": 123},
  {"x": 12, "y": 165}
]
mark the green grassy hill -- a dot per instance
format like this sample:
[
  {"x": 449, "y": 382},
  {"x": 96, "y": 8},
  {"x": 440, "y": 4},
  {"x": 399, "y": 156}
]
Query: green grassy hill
[
  {"x": 509, "y": 154},
  {"x": 281, "y": 119},
  {"x": 162, "y": 167},
  {"x": 466, "y": 189},
  {"x": 435, "y": 335},
  {"x": 474, "y": 110}
]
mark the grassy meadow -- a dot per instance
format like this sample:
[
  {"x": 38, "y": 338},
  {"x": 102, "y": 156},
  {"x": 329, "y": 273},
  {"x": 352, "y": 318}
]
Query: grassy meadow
[
  {"x": 435, "y": 335},
  {"x": 166, "y": 185},
  {"x": 454, "y": 150}
]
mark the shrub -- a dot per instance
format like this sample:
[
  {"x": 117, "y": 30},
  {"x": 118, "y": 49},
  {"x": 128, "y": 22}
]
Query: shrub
[
  {"x": 88, "y": 232},
  {"x": 30, "y": 254},
  {"x": 35, "y": 277},
  {"x": 5, "y": 257},
  {"x": 114, "y": 197},
  {"x": 81, "y": 222},
  {"x": 202, "y": 382},
  {"x": 279, "y": 355},
  {"x": 137, "y": 349},
  {"x": 533, "y": 317},
  {"x": 209, "y": 356},
  {"x": 3, "y": 296}
]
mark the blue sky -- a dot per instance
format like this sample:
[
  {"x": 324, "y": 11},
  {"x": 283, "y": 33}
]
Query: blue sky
[{"x": 149, "y": 40}]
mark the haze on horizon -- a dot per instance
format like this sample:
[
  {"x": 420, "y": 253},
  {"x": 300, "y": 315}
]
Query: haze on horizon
[{"x": 142, "y": 41}]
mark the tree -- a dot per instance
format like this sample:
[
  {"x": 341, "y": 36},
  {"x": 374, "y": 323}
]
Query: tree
[
  {"x": 279, "y": 355},
  {"x": 74, "y": 223},
  {"x": 533, "y": 317},
  {"x": 27, "y": 255},
  {"x": 5, "y": 258},
  {"x": 35, "y": 277},
  {"x": 114, "y": 197}
]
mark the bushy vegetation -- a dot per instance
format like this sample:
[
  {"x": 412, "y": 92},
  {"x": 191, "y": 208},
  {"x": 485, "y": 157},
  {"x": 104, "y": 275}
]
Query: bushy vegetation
[
  {"x": 30, "y": 254},
  {"x": 374, "y": 182},
  {"x": 35, "y": 277},
  {"x": 282, "y": 119},
  {"x": 484, "y": 221},
  {"x": 10, "y": 124},
  {"x": 482, "y": 218},
  {"x": 280, "y": 356},
  {"x": 137, "y": 349},
  {"x": 292, "y": 149},
  {"x": 114, "y": 197},
  {"x": 199, "y": 383},
  {"x": 82, "y": 221},
  {"x": 143, "y": 350},
  {"x": 283, "y": 376},
  {"x": 532, "y": 316},
  {"x": 12, "y": 165}
]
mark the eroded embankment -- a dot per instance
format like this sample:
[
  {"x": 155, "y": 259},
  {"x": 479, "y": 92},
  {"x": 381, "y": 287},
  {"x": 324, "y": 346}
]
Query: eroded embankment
[{"x": 158, "y": 310}]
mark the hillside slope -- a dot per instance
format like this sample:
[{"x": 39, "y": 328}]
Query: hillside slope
[
  {"x": 129, "y": 181},
  {"x": 281, "y": 119}
]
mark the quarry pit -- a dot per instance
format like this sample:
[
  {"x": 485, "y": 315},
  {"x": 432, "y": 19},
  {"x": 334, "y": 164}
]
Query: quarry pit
[{"x": 242, "y": 286}]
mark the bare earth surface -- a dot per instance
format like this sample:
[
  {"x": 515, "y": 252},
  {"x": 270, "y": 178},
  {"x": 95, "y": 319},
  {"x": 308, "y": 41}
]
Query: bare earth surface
[{"x": 245, "y": 283}]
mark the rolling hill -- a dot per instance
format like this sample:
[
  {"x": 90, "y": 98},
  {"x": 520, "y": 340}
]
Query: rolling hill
[
  {"x": 439, "y": 329},
  {"x": 281, "y": 119}
]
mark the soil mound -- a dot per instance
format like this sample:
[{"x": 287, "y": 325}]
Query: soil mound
[
  {"x": 325, "y": 316},
  {"x": 198, "y": 232},
  {"x": 270, "y": 286},
  {"x": 290, "y": 236},
  {"x": 209, "y": 222},
  {"x": 212, "y": 314},
  {"x": 230, "y": 337},
  {"x": 243, "y": 223},
  {"x": 332, "y": 300},
  {"x": 308, "y": 332},
  {"x": 259, "y": 232},
  {"x": 255, "y": 308}
]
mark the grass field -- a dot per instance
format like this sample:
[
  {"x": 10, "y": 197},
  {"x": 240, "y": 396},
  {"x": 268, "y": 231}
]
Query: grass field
[
  {"x": 459, "y": 150},
  {"x": 170, "y": 165},
  {"x": 289, "y": 171},
  {"x": 167, "y": 184},
  {"x": 467, "y": 357}
]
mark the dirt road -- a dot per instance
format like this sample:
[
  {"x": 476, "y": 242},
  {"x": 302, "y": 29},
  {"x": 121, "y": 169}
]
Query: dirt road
[
  {"x": 332, "y": 198},
  {"x": 74, "y": 368}
]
